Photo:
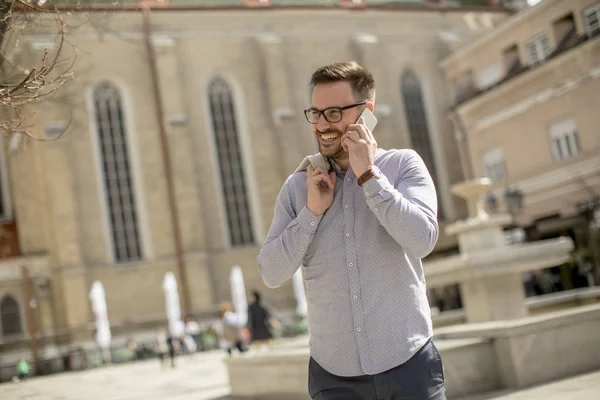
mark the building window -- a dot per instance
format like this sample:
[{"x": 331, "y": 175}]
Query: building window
[
  {"x": 116, "y": 173},
  {"x": 564, "y": 139},
  {"x": 512, "y": 61},
  {"x": 10, "y": 316},
  {"x": 538, "y": 49},
  {"x": 418, "y": 129},
  {"x": 592, "y": 20},
  {"x": 465, "y": 87},
  {"x": 233, "y": 182},
  {"x": 490, "y": 75},
  {"x": 493, "y": 165}
]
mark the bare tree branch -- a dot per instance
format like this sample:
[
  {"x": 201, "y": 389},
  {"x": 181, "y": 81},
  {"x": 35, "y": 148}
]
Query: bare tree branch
[
  {"x": 26, "y": 82},
  {"x": 24, "y": 85}
]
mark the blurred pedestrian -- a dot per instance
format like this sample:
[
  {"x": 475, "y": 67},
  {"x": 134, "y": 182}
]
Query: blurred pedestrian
[
  {"x": 260, "y": 322},
  {"x": 22, "y": 369},
  {"x": 231, "y": 329},
  {"x": 172, "y": 344},
  {"x": 161, "y": 346},
  {"x": 193, "y": 330}
]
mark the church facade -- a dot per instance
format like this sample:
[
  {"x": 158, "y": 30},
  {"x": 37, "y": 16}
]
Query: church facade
[{"x": 183, "y": 123}]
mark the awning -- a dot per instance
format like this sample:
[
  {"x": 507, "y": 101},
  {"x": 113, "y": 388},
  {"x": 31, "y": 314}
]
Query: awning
[{"x": 558, "y": 224}]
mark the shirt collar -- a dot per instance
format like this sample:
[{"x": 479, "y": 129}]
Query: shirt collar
[{"x": 378, "y": 153}]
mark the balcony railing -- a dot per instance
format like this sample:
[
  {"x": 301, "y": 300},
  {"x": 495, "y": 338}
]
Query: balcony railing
[{"x": 569, "y": 42}]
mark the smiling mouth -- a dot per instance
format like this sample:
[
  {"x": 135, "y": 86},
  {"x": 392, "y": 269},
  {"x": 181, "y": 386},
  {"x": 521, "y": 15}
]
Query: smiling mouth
[{"x": 328, "y": 137}]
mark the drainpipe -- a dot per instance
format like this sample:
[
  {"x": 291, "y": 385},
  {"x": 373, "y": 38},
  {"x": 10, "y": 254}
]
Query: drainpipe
[
  {"x": 166, "y": 155},
  {"x": 463, "y": 144},
  {"x": 29, "y": 314}
]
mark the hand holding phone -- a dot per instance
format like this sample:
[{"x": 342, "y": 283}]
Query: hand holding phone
[
  {"x": 370, "y": 121},
  {"x": 360, "y": 143}
]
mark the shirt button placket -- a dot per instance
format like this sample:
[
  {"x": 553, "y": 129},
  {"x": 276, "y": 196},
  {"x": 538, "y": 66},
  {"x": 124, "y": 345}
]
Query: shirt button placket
[{"x": 353, "y": 273}]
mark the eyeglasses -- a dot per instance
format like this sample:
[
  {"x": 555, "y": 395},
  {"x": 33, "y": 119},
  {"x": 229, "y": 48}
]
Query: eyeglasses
[{"x": 331, "y": 114}]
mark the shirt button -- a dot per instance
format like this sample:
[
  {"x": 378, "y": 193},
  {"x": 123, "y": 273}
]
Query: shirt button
[
  {"x": 346, "y": 206},
  {"x": 358, "y": 329},
  {"x": 348, "y": 179},
  {"x": 347, "y": 234},
  {"x": 375, "y": 209},
  {"x": 302, "y": 248},
  {"x": 355, "y": 297},
  {"x": 366, "y": 193},
  {"x": 312, "y": 223},
  {"x": 350, "y": 264}
]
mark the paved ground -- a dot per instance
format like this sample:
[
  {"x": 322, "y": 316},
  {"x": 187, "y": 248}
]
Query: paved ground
[
  {"x": 583, "y": 387},
  {"x": 204, "y": 377},
  {"x": 200, "y": 377}
]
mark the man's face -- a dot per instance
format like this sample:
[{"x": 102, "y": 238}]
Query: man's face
[{"x": 328, "y": 134}]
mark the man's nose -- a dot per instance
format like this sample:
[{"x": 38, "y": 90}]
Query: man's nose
[{"x": 323, "y": 124}]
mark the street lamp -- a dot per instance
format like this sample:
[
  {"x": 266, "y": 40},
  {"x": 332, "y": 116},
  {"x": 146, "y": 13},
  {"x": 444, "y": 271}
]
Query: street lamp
[
  {"x": 491, "y": 203},
  {"x": 513, "y": 198}
]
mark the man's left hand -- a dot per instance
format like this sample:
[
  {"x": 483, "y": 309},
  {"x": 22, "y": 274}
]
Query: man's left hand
[{"x": 359, "y": 143}]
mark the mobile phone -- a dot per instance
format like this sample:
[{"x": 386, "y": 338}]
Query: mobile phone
[{"x": 370, "y": 119}]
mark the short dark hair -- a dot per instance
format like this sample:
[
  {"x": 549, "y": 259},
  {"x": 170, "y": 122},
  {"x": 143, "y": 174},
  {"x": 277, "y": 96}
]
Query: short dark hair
[
  {"x": 256, "y": 295},
  {"x": 361, "y": 79}
]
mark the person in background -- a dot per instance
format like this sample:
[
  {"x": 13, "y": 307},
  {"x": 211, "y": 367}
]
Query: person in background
[
  {"x": 231, "y": 329},
  {"x": 161, "y": 346},
  {"x": 260, "y": 322},
  {"x": 22, "y": 369},
  {"x": 173, "y": 346},
  {"x": 193, "y": 330}
]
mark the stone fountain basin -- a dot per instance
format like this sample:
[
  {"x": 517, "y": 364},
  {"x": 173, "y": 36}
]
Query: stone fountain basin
[
  {"x": 509, "y": 259},
  {"x": 477, "y": 358}
]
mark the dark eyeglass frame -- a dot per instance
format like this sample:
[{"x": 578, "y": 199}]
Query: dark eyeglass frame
[{"x": 322, "y": 112}]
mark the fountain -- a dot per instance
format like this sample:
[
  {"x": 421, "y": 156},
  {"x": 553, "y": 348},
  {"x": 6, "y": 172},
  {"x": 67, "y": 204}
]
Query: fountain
[
  {"x": 499, "y": 347},
  {"x": 487, "y": 269}
]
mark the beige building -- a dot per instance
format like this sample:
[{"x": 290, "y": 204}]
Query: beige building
[
  {"x": 200, "y": 109},
  {"x": 527, "y": 96}
]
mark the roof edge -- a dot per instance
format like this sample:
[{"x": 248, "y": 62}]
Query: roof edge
[
  {"x": 502, "y": 27},
  {"x": 241, "y": 7}
]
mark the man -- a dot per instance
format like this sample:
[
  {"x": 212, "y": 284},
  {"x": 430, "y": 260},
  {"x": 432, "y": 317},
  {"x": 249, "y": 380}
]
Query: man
[{"x": 360, "y": 240}]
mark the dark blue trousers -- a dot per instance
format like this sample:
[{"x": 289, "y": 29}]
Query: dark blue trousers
[{"x": 420, "y": 378}]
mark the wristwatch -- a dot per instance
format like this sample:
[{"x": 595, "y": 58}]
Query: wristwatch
[{"x": 370, "y": 173}]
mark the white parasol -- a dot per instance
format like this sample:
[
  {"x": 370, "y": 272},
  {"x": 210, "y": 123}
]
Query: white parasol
[
  {"x": 103, "y": 335},
  {"x": 238, "y": 294},
  {"x": 172, "y": 306}
]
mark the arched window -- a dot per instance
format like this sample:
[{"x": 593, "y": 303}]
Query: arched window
[
  {"x": 10, "y": 316},
  {"x": 414, "y": 109},
  {"x": 116, "y": 172},
  {"x": 233, "y": 182}
]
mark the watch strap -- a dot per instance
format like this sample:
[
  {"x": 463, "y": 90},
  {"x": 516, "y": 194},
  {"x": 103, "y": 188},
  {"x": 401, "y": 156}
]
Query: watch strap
[{"x": 370, "y": 173}]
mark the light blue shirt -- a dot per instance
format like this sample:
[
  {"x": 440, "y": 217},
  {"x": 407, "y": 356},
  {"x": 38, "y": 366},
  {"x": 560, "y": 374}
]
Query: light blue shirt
[{"x": 361, "y": 260}]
